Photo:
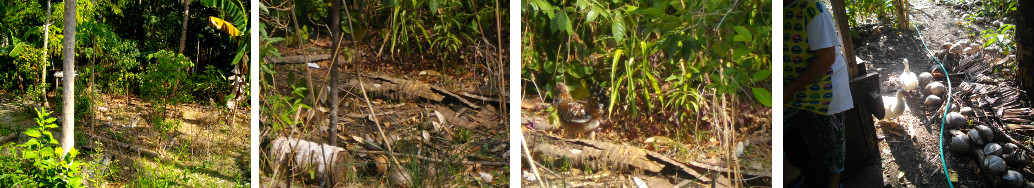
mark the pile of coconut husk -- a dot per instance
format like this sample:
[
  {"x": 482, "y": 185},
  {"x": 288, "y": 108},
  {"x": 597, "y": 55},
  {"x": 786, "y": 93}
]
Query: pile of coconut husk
[{"x": 985, "y": 114}]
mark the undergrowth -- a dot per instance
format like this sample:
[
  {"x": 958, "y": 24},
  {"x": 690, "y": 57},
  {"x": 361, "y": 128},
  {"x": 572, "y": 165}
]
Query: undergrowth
[{"x": 40, "y": 161}]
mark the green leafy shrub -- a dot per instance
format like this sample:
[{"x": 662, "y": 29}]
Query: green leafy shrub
[
  {"x": 24, "y": 72},
  {"x": 653, "y": 56},
  {"x": 165, "y": 80},
  {"x": 211, "y": 84},
  {"x": 1001, "y": 37},
  {"x": 41, "y": 162},
  {"x": 116, "y": 61}
]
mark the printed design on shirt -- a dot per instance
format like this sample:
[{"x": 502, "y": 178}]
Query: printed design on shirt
[{"x": 814, "y": 97}]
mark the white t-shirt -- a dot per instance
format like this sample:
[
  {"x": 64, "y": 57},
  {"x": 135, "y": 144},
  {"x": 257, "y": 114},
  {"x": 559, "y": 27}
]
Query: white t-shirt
[{"x": 822, "y": 33}]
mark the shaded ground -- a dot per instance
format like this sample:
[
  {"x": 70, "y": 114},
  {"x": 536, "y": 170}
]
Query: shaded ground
[
  {"x": 204, "y": 146},
  {"x": 909, "y": 146},
  {"x": 466, "y": 145},
  {"x": 559, "y": 163}
]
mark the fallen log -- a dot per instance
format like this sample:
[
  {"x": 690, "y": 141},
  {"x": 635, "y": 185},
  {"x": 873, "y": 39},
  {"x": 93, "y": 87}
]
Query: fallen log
[
  {"x": 390, "y": 87},
  {"x": 596, "y": 154},
  {"x": 129, "y": 147},
  {"x": 298, "y": 59},
  {"x": 303, "y": 156},
  {"x": 8, "y": 137}
]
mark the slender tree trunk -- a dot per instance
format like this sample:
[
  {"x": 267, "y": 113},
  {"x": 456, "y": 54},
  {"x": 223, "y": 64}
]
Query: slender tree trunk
[
  {"x": 68, "y": 55},
  {"x": 335, "y": 30},
  {"x": 183, "y": 32},
  {"x": 93, "y": 96},
  {"x": 43, "y": 72}
]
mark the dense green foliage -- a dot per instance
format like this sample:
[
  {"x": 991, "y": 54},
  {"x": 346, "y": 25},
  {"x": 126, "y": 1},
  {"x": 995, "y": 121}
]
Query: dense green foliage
[
  {"x": 653, "y": 56},
  {"x": 435, "y": 29},
  {"x": 165, "y": 80},
  {"x": 116, "y": 35},
  {"x": 40, "y": 163}
]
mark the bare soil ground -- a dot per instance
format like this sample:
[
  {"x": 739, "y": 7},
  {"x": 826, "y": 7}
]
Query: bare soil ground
[
  {"x": 909, "y": 145},
  {"x": 203, "y": 146}
]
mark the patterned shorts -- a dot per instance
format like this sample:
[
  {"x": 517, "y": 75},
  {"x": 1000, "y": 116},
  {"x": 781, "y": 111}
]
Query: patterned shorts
[{"x": 824, "y": 135}]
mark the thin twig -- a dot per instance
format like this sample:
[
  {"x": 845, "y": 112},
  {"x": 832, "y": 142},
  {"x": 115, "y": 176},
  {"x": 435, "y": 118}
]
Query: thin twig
[
  {"x": 527, "y": 154},
  {"x": 726, "y": 14}
]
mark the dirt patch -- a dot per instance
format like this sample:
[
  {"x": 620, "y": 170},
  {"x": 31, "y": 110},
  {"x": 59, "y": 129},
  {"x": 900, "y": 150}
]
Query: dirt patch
[
  {"x": 910, "y": 145},
  {"x": 203, "y": 145}
]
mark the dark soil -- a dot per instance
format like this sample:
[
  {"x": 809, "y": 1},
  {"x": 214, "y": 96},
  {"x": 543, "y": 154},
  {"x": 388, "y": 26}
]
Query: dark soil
[{"x": 910, "y": 145}]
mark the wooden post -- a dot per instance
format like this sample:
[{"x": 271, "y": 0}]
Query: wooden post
[
  {"x": 1024, "y": 38},
  {"x": 840, "y": 16},
  {"x": 860, "y": 137}
]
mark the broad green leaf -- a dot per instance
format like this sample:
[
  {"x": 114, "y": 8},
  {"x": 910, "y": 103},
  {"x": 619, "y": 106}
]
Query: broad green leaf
[
  {"x": 561, "y": 23},
  {"x": 591, "y": 15},
  {"x": 762, "y": 74},
  {"x": 32, "y": 133},
  {"x": 742, "y": 34},
  {"x": 763, "y": 96},
  {"x": 17, "y": 50},
  {"x": 617, "y": 27}
]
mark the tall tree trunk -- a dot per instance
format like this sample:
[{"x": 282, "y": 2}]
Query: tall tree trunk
[
  {"x": 43, "y": 72},
  {"x": 68, "y": 55},
  {"x": 335, "y": 30},
  {"x": 183, "y": 32},
  {"x": 1024, "y": 40}
]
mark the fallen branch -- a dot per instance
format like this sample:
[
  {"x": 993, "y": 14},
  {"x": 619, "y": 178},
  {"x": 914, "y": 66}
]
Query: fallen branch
[
  {"x": 617, "y": 157},
  {"x": 8, "y": 137},
  {"x": 400, "y": 88},
  {"x": 464, "y": 162},
  {"x": 298, "y": 59},
  {"x": 129, "y": 147}
]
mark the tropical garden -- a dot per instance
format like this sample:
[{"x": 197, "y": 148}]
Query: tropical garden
[
  {"x": 118, "y": 93},
  {"x": 681, "y": 91},
  {"x": 384, "y": 93}
]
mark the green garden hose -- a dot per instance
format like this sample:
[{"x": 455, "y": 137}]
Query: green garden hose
[{"x": 947, "y": 105}]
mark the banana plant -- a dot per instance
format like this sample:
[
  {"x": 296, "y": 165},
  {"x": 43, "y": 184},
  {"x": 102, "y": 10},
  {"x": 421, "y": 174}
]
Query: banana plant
[{"x": 233, "y": 22}]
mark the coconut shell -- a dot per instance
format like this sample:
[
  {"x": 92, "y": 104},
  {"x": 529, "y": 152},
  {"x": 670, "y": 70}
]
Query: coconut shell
[
  {"x": 960, "y": 143},
  {"x": 935, "y": 88},
  {"x": 933, "y": 101},
  {"x": 1012, "y": 179},
  {"x": 925, "y": 78},
  {"x": 985, "y": 133},
  {"x": 995, "y": 164},
  {"x": 993, "y": 149},
  {"x": 955, "y": 120},
  {"x": 974, "y": 137},
  {"x": 967, "y": 111},
  {"x": 1009, "y": 148}
]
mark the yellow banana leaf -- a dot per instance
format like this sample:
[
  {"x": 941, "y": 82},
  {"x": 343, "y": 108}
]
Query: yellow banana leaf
[{"x": 222, "y": 25}]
